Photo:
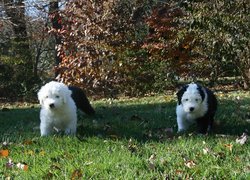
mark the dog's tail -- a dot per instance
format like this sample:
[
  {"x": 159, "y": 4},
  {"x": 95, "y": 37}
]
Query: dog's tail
[{"x": 81, "y": 100}]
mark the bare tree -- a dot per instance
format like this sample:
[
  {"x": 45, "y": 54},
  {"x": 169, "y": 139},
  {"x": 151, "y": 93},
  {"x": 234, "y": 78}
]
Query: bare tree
[
  {"x": 56, "y": 25},
  {"x": 15, "y": 11},
  {"x": 18, "y": 55}
]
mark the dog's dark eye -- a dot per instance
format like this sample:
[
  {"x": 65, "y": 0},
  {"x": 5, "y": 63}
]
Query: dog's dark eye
[
  {"x": 186, "y": 99},
  {"x": 57, "y": 96},
  {"x": 196, "y": 100}
]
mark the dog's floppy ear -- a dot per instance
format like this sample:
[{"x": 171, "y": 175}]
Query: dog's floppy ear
[
  {"x": 180, "y": 93},
  {"x": 201, "y": 91},
  {"x": 40, "y": 96},
  {"x": 67, "y": 94}
]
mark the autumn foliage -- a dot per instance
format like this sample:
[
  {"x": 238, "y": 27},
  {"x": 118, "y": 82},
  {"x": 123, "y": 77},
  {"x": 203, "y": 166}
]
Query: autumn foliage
[
  {"x": 94, "y": 36},
  {"x": 119, "y": 46},
  {"x": 164, "y": 44},
  {"x": 111, "y": 47}
]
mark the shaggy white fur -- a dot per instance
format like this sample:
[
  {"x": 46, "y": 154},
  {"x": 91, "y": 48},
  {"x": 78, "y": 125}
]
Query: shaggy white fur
[
  {"x": 58, "y": 110},
  {"x": 195, "y": 104}
]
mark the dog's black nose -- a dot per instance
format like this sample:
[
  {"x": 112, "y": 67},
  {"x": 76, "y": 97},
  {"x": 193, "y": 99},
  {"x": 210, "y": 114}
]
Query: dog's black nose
[
  {"x": 52, "y": 105},
  {"x": 191, "y": 109}
]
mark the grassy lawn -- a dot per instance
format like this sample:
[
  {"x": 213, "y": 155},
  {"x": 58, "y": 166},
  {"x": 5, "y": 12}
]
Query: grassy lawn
[{"x": 127, "y": 139}]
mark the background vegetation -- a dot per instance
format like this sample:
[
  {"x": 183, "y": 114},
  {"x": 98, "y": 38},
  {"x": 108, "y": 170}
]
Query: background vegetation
[{"x": 122, "y": 47}]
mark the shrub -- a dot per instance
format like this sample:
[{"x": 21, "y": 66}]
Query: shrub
[{"x": 221, "y": 32}]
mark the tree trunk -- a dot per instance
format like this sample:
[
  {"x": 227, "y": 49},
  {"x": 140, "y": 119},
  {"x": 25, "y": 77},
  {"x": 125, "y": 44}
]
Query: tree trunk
[
  {"x": 20, "y": 50},
  {"x": 15, "y": 10},
  {"x": 246, "y": 78},
  {"x": 56, "y": 24}
]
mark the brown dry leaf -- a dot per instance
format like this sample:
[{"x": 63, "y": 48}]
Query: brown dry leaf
[
  {"x": 228, "y": 147},
  {"x": 77, "y": 174},
  {"x": 4, "y": 153},
  {"x": 242, "y": 139},
  {"x": 179, "y": 172},
  {"x": 22, "y": 166},
  {"x": 190, "y": 163}
]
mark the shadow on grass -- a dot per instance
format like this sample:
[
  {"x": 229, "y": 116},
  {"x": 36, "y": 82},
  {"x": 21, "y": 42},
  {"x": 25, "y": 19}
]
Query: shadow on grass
[
  {"x": 18, "y": 123},
  {"x": 141, "y": 122},
  {"x": 158, "y": 121},
  {"x": 150, "y": 121}
]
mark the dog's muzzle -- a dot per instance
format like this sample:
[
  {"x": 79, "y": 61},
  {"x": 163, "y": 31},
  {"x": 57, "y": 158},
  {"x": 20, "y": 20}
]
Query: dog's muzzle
[
  {"x": 52, "y": 105},
  {"x": 191, "y": 109}
]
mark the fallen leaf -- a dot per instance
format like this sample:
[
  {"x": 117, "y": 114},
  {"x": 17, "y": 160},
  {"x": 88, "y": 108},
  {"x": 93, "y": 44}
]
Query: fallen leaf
[
  {"x": 22, "y": 166},
  {"x": 5, "y": 144},
  {"x": 4, "y": 153},
  {"x": 206, "y": 150},
  {"x": 220, "y": 155},
  {"x": 186, "y": 46},
  {"x": 179, "y": 172},
  {"x": 151, "y": 161},
  {"x": 28, "y": 142},
  {"x": 190, "y": 163},
  {"x": 242, "y": 139},
  {"x": 77, "y": 174},
  {"x": 10, "y": 164},
  {"x": 164, "y": 133},
  {"x": 228, "y": 146}
]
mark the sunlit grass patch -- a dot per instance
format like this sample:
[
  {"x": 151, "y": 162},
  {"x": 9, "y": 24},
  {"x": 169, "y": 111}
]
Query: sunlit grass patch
[{"x": 127, "y": 139}]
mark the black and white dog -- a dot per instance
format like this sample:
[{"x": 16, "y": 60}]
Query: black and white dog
[
  {"x": 81, "y": 100},
  {"x": 195, "y": 104}
]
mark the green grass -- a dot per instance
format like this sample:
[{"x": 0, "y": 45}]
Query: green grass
[{"x": 128, "y": 139}]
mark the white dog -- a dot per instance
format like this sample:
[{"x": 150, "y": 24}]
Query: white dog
[
  {"x": 195, "y": 104},
  {"x": 58, "y": 110}
]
